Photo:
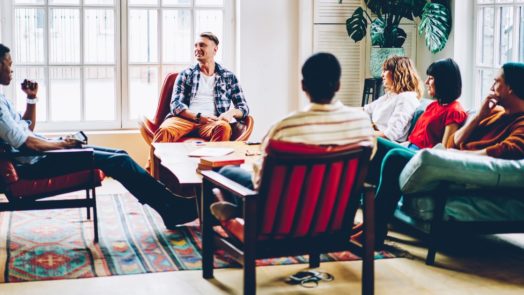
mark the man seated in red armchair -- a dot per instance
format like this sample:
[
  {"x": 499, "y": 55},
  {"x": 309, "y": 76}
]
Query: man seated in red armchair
[
  {"x": 324, "y": 122},
  {"x": 202, "y": 98}
]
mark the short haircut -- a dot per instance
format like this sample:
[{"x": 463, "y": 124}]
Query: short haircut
[
  {"x": 321, "y": 76},
  {"x": 514, "y": 77},
  {"x": 447, "y": 78},
  {"x": 210, "y": 36},
  {"x": 3, "y": 50},
  {"x": 404, "y": 75}
]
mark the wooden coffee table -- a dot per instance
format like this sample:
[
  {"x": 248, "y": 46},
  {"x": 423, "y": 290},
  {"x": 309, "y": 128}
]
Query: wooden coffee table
[{"x": 172, "y": 165}]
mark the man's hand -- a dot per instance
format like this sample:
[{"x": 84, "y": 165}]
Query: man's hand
[
  {"x": 490, "y": 102},
  {"x": 227, "y": 116},
  {"x": 207, "y": 119},
  {"x": 30, "y": 88},
  {"x": 71, "y": 143}
]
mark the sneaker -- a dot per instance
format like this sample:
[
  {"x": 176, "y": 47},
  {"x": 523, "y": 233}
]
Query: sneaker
[{"x": 224, "y": 210}]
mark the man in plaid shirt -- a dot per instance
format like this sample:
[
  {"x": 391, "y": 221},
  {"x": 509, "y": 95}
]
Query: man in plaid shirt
[{"x": 202, "y": 98}]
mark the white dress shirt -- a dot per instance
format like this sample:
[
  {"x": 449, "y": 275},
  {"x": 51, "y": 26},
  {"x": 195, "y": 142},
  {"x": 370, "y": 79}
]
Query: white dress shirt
[{"x": 392, "y": 114}]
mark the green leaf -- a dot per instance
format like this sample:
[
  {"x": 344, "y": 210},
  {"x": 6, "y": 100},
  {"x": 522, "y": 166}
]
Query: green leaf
[
  {"x": 376, "y": 6},
  {"x": 356, "y": 25},
  {"x": 394, "y": 36},
  {"x": 377, "y": 32},
  {"x": 399, "y": 8},
  {"x": 435, "y": 24}
]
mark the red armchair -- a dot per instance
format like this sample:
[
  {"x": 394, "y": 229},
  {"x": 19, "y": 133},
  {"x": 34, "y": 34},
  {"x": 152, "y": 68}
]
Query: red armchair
[
  {"x": 32, "y": 193},
  {"x": 306, "y": 204},
  {"x": 241, "y": 130}
]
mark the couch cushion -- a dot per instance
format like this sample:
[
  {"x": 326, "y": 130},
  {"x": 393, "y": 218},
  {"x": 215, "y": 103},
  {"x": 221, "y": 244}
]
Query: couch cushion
[
  {"x": 431, "y": 166},
  {"x": 486, "y": 205}
]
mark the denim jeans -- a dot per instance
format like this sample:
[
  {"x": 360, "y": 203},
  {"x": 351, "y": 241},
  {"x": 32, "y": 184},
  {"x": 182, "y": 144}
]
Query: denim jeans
[
  {"x": 240, "y": 176},
  {"x": 114, "y": 163}
]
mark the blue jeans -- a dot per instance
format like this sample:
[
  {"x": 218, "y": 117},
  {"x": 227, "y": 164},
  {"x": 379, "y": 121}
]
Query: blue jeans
[
  {"x": 120, "y": 166},
  {"x": 240, "y": 176}
]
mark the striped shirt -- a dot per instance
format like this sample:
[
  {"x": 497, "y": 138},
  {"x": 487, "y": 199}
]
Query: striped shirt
[{"x": 320, "y": 124}]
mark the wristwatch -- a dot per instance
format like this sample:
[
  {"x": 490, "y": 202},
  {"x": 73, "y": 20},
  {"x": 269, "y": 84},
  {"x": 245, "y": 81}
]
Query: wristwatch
[{"x": 197, "y": 118}]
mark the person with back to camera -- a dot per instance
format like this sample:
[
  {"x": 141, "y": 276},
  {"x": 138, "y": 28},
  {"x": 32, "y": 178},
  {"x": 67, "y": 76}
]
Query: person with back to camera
[{"x": 324, "y": 122}]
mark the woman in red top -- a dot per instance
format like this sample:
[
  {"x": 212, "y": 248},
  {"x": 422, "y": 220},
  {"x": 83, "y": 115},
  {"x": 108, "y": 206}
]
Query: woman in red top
[
  {"x": 445, "y": 115},
  {"x": 439, "y": 121}
]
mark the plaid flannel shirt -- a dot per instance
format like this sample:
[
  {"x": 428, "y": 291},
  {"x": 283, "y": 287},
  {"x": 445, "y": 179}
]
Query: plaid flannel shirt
[{"x": 226, "y": 90}]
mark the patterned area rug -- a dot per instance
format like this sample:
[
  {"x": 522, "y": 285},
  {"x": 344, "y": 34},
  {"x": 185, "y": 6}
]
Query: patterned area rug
[{"x": 58, "y": 244}]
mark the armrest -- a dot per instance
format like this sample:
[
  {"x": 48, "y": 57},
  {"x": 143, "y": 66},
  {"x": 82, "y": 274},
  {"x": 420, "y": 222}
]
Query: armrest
[
  {"x": 430, "y": 167},
  {"x": 227, "y": 184},
  {"x": 52, "y": 153}
]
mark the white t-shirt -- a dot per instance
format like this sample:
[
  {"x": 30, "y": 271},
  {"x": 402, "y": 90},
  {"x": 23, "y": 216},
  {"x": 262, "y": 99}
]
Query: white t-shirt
[
  {"x": 204, "y": 100},
  {"x": 392, "y": 114}
]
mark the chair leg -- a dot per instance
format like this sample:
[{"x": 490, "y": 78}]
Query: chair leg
[
  {"x": 88, "y": 209},
  {"x": 250, "y": 275},
  {"x": 314, "y": 260},
  {"x": 207, "y": 231},
  {"x": 95, "y": 217},
  {"x": 368, "y": 261},
  {"x": 207, "y": 257},
  {"x": 436, "y": 225}
]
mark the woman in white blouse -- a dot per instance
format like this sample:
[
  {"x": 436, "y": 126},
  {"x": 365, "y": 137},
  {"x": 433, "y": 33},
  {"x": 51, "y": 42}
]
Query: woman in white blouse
[{"x": 391, "y": 113}]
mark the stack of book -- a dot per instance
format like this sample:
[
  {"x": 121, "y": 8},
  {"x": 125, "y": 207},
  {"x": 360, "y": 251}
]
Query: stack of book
[{"x": 209, "y": 163}]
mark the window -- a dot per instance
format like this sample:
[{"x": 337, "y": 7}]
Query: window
[
  {"x": 100, "y": 63},
  {"x": 499, "y": 39}
]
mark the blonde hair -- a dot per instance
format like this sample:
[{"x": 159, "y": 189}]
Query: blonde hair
[{"x": 405, "y": 76}]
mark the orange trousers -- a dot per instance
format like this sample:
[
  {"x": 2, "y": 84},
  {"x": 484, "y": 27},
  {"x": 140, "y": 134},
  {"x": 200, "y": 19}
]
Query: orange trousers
[{"x": 172, "y": 129}]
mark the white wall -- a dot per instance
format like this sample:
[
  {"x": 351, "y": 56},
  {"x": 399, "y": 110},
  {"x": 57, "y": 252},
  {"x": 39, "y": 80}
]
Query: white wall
[{"x": 267, "y": 67}]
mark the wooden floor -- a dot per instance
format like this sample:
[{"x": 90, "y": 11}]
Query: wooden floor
[{"x": 481, "y": 265}]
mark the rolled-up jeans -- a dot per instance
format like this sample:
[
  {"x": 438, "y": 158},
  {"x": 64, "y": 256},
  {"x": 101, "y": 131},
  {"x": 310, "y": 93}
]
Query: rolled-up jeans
[{"x": 240, "y": 176}]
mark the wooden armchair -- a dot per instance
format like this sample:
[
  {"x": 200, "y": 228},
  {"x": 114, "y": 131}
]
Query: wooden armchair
[
  {"x": 306, "y": 204},
  {"x": 241, "y": 130},
  {"x": 31, "y": 193}
]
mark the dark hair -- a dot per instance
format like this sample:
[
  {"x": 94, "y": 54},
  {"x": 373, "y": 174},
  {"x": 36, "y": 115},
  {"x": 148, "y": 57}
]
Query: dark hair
[
  {"x": 447, "y": 78},
  {"x": 514, "y": 77},
  {"x": 321, "y": 76},
  {"x": 210, "y": 36},
  {"x": 3, "y": 50}
]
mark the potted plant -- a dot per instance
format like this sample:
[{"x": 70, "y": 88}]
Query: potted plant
[{"x": 387, "y": 38}]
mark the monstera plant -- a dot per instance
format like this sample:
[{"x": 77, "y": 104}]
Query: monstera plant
[{"x": 433, "y": 17}]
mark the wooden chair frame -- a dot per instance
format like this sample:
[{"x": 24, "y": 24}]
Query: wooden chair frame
[
  {"x": 253, "y": 247},
  {"x": 19, "y": 201}
]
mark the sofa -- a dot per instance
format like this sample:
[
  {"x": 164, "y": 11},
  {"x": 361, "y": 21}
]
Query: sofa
[{"x": 446, "y": 192}]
